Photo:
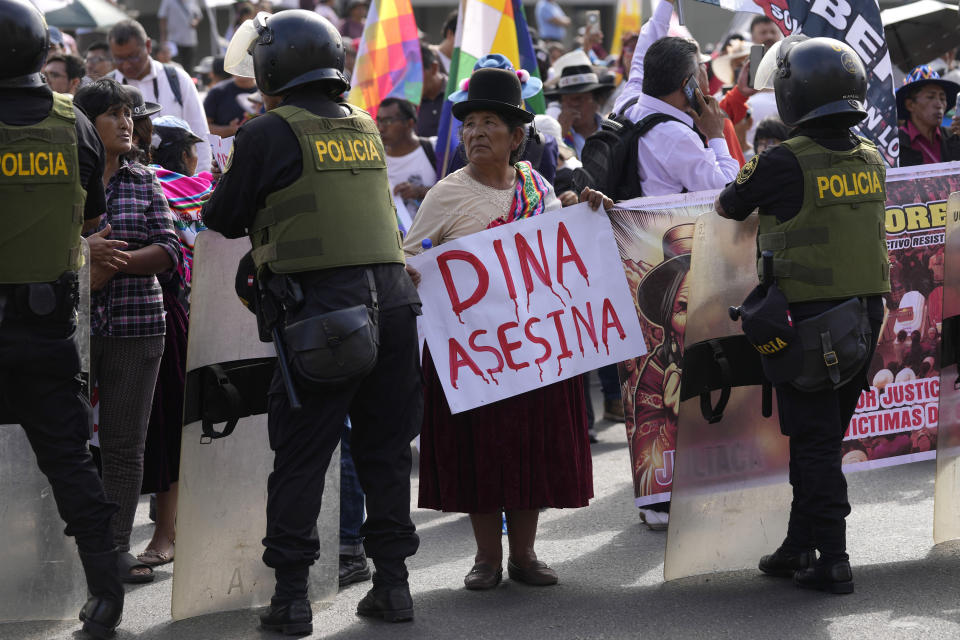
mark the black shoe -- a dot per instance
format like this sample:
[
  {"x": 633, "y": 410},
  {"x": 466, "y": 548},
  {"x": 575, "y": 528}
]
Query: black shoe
[
  {"x": 835, "y": 577},
  {"x": 784, "y": 564},
  {"x": 391, "y": 603},
  {"x": 104, "y": 609},
  {"x": 293, "y": 618},
  {"x": 353, "y": 569},
  {"x": 101, "y": 616}
]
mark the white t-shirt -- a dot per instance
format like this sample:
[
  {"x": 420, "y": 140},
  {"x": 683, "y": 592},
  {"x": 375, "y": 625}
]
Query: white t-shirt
[{"x": 414, "y": 168}]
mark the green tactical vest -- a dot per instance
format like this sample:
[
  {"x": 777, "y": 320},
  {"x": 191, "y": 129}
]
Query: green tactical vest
[
  {"x": 835, "y": 247},
  {"x": 42, "y": 197},
  {"x": 339, "y": 212}
]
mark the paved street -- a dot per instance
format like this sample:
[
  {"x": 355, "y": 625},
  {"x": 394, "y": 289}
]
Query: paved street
[{"x": 611, "y": 582}]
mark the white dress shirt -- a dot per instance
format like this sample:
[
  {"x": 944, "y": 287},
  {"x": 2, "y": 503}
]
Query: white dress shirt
[
  {"x": 156, "y": 88},
  {"x": 671, "y": 156}
]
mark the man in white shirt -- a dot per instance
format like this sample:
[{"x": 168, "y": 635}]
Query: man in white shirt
[
  {"x": 167, "y": 85},
  {"x": 409, "y": 168},
  {"x": 671, "y": 156}
]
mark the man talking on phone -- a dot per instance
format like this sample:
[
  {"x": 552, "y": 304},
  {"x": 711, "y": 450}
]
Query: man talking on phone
[{"x": 672, "y": 157}]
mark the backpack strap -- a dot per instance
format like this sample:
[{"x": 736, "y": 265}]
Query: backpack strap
[
  {"x": 632, "y": 101},
  {"x": 428, "y": 149},
  {"x": 650, "y": 121},
  {"x": 174, "y": 80}
]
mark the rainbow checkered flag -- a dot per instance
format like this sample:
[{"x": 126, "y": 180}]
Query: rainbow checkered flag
[
  {"x": 388, "y": 57},
  {"x": 485, "y": 27}
]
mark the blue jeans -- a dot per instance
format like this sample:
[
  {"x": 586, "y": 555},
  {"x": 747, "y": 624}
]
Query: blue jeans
[{"x": 351, "y": 499}]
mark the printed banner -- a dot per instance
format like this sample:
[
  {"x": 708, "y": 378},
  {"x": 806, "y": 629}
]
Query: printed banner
[
  {"x": 895, "y": 421},
  {"x": 526, "y": 304},
  {"x": 655, "y": 241},
  {"x": 856, "y": 22}
]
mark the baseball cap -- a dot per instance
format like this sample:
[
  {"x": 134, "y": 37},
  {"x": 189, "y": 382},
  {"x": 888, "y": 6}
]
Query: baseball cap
[
  {"x": 765, "y": 319},
  {"x": 171, "y": 129}
]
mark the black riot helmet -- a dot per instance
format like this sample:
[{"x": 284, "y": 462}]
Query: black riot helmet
[
  {"x": 286, "y": 50},
  {"x": 24, "y": 41},
  {"x": 815, "y": 78}
]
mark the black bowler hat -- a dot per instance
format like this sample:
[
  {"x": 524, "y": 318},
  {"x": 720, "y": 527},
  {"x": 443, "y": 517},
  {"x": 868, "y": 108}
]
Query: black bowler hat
[
  {"x": 768, "y": 326},
  {"x": 141, "y": 108},
  {"x": 492, "y": 89}
]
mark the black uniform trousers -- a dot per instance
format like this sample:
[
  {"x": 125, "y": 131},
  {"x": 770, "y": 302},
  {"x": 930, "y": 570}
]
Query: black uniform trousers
[
  {"x": 40, "y": 390},
  {"x": 385, "y": 408},
  {"x": 816, "y": 423}
]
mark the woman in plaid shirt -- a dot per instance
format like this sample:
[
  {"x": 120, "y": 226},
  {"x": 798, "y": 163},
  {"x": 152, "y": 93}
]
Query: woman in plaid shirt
[{"x": 127, "y": 321}]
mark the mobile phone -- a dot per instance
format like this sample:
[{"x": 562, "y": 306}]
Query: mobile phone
[
  {"x": 593, "y": 18},
  {"x": 690, "y": 90},
  {"x": 756, "y": 55}
]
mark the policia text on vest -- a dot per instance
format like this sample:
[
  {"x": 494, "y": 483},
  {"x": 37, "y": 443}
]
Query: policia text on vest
[{"x": 34, "y": 163}]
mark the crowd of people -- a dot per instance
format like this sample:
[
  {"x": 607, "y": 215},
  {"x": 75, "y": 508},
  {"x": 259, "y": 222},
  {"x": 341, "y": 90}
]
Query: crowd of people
[{"x": 151, "y": 106}]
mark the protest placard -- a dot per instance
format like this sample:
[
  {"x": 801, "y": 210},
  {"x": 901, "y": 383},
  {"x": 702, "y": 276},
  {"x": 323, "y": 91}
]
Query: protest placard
[
  {"x": 220, "y": 147},
  {"x": 526, "y": 304}
]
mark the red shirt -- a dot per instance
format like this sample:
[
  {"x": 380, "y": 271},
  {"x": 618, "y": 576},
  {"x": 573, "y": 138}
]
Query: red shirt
[{"x": 930, "y": 150}]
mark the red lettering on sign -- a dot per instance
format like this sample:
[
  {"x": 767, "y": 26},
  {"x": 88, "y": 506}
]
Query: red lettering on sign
[
  {"x": 540, "y": 341},
  {"x": 561, "y": 338},
  {"x": 460, "y": 358},
  {"x": 588, "y": 327},
  {"x": 487, "y": 349},
  {"x": 459, "y": 306},
  {"x": 507, "y": 276},
  {"x": 610, "y": 319},
  {"x": 528, "y": 261},
  {"x": 567, "y": 252},
  {"x": 509, "y": 347}
]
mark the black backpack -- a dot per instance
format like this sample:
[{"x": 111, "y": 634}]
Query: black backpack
[{"x": 609, "y": 155}]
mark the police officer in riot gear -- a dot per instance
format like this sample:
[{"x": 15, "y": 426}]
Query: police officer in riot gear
[
  {"x": 820, "y": 196},
  {"x": 51, "y": 168},
  {"x": 308, "y": 183}
]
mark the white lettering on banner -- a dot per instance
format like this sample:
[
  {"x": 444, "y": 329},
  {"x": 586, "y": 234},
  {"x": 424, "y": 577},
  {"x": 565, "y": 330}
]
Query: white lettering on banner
[
  {"x": 783, "y": 15},
  {"x": 833, "y": 11},
  {"x": 871, "y": 47},
  {"x": 526, "y": 304}
]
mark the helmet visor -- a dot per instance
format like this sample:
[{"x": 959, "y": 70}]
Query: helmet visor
[
  {"x": 767, "y": 69},
  {"x": 238, "y": 60}
]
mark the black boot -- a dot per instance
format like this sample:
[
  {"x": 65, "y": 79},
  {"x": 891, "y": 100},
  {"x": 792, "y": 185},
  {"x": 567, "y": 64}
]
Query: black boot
[
  {"x": 104, "y": 608},
  {"x": 389, "y": 601},
  {"x": 291, "y": 618},
  {"x": 834, "y": 577},
  {"x": 353, "y": 569},
  {"x": 784, "y": 564}
]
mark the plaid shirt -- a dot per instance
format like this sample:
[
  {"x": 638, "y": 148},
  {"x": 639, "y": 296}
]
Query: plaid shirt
[{"x": 131, "y": 306}]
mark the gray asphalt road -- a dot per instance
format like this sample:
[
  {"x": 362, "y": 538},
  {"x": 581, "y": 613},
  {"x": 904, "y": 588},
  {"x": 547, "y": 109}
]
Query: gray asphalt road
[{"x": 611, "y": 583}]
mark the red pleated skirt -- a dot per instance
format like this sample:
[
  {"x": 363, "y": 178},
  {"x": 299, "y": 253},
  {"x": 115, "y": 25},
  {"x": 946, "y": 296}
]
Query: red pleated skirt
[{"x": 525, "y": 452}]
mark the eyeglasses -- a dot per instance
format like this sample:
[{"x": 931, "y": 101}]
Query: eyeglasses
[
  {"x": 99, "y": 59},
  {"x": 134, "y": 58}
]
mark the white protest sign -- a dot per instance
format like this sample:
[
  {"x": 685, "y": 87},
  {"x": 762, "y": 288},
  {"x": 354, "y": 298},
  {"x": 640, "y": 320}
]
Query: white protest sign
[
  {"x": 221, "y": 149},
  {"x": 526, "y": 304}
]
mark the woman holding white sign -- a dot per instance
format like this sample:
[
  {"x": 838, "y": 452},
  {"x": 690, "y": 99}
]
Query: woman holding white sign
[{"x": 529, "y": 451}]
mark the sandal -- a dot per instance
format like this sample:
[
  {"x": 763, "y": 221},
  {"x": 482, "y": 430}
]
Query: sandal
[
  {"x": 154, "y": 558},
  {"x": 126, "y": 563}
]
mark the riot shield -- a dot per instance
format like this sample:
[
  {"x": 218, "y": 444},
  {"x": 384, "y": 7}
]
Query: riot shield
[
  {"x": 730, "y": 500},
  {"x": 42, "y": 578},
  {"x": 946, "y": 501},
  {"x": 221, "y": 510}
]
